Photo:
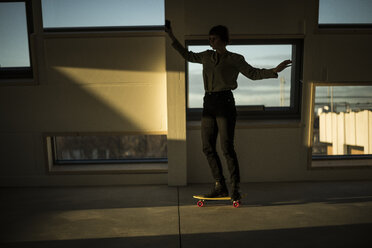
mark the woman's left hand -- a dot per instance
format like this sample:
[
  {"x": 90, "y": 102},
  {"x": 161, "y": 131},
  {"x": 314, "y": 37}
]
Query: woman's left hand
[{"x": 282, "y": 66}]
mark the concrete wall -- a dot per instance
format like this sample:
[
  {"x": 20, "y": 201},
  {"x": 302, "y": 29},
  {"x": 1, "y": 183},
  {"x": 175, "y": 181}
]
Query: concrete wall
[{"x": 135, "y": 82}]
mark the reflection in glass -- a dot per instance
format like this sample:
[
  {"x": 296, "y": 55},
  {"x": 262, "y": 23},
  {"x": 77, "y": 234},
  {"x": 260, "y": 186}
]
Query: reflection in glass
[
  {"x": 342, "y": 120},
  {"x": 110, "y": 148}
]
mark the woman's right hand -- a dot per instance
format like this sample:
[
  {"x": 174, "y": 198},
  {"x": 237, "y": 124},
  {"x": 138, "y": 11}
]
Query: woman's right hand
[{"x": 168, "y": 28}]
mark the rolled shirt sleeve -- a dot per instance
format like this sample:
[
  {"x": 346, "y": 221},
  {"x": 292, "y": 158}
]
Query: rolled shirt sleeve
[
  {"x": 188, "y": 55},
  {"x": 252, "y": 72}
]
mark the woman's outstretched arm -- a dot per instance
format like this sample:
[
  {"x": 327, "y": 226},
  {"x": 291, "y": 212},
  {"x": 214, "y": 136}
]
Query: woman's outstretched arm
[{"x": 187, "y": 55}]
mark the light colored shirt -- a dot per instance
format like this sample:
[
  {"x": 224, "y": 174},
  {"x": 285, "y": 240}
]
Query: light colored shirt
[{"x": 220, "y": 72}]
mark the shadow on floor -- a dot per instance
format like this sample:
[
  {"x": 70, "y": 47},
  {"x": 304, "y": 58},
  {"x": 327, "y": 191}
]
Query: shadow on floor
[
  {"x": 281, "y": 194},
  {"x": 356, "y": 235},
  {"x": 84, "y": 198}
]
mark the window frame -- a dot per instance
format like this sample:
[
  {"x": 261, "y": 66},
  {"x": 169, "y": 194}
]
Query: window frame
[
  {"x": 7, "y": 73},
  {"x": 102, "y": 28},
  {"x": 56, "y": 161},
  {"x": 335, "y": 161},
  {"x": 259, "y": 112},
  {"x": 121, "y": 166}
]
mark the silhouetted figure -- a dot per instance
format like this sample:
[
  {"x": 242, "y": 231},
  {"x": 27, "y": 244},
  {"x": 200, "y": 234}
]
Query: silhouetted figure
[{"x": 220, "y": 73}]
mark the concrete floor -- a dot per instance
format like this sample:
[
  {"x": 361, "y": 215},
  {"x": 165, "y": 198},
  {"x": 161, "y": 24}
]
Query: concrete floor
[{"x": 319, "y": 214}]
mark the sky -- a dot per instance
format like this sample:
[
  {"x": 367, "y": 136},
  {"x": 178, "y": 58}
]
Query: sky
[
  {"x": 96, "y": 13},
  {"x": 345, "y": 11},
  {"x": 14, "y": 50}
]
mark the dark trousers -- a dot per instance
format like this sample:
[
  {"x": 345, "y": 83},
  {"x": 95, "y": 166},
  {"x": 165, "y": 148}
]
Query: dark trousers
[{"x": 219, "y": 117}]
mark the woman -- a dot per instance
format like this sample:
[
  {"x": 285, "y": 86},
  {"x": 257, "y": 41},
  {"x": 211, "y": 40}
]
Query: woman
[{"x": 220, "y": 73}]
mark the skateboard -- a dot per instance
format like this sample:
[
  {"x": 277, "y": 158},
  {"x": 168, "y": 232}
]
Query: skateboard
[{"x": 202, "y": 200}]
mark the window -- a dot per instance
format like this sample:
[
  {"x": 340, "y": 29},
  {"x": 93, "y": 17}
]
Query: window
[
  {"x": 345, "y": 13},
  {"x": 15, "y": 28},
  {"x": 342, "y": 124},
  {"x": 268, "y": 98},
  {"x": 86, "y": 15},
  {"x": 106, "y": 149}
]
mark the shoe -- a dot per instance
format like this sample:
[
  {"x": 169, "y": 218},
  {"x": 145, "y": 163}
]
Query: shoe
[
  {"x": 235, "y": 196},
  {"x": 219, "y": 190}
]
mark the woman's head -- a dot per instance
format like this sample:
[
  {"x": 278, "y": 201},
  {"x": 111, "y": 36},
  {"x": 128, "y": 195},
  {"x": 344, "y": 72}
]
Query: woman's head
[
  {"x": 218, "y": 36},
  {"x": 220, "y": 31}
]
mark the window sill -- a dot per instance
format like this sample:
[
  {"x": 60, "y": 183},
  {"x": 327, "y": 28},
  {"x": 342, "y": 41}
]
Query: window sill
[
  {"x": 104, "y": 34},
  {"x": 254, "y": 124},
  {"x": 343, "y": 29},
  {"x": 18, "y": 82},
  {"x": 158, "y": 168},
  {"x": 341, "y": 164}
]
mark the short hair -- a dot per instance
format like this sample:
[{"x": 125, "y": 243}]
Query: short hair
[{"x": 221, "y": 31}]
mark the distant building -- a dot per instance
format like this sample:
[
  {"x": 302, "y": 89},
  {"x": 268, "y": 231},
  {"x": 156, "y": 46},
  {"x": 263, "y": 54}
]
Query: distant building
[{"x": 346, "y": 132}]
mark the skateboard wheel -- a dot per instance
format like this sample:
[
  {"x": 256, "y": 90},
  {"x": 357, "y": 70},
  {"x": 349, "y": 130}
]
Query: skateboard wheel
[
  {"x": 236, "y": 204},
  {"x": 200, "y": 203}
]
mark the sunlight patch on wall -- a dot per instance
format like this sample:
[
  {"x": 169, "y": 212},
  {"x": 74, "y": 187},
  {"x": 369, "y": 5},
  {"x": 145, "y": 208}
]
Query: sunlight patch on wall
[
  {"x": 103, "y": 76},
  {"x": 139, "y": 96}
]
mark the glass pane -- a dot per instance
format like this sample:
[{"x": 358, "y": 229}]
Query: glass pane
[
  {"x": 342, "y": 120},
  {"x": 345, "y": 12},
  {"x": 102, "y": 13},
  {"x": 14, "y": 50},
  {"x": 126, "y": 147},
  {"x": 274, "y": 92}
]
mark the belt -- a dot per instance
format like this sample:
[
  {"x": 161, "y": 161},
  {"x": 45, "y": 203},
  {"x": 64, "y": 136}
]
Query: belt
[{"x": 218, "y": 93}]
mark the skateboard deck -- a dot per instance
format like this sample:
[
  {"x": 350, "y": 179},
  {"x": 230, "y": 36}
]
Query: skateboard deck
[{"x": 202, "y": 200}]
